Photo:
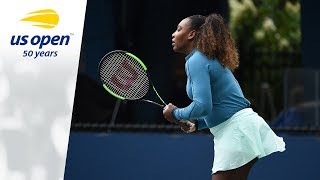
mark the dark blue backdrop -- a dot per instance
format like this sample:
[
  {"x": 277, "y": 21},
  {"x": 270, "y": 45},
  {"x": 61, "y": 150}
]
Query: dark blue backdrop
[{"x": 143, "y": 156}]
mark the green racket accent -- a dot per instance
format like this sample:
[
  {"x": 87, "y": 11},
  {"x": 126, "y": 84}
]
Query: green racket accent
[
  {"x": 158, "y": 95},
  {"x": 136, "y": 58},
  {"x": 112, "y": 93}
]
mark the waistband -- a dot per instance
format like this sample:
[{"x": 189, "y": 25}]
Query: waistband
[{"x": 239, "y": 114}]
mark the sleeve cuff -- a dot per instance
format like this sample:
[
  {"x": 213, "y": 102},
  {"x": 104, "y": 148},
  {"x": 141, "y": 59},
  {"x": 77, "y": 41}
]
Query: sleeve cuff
[
  {"x": 173, "y": 115},
  {"x": 201, "y": 125}
]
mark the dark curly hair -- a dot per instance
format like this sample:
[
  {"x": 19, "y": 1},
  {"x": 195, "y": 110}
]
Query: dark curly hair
[
  {"x": 196, "y": 21},
  {"x": 215, "y": 41}
]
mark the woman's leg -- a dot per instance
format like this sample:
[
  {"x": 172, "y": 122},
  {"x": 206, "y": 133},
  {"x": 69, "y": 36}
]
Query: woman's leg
[{"x": 240, "y": 173}]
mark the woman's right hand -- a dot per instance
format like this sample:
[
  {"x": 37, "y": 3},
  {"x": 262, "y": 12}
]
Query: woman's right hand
[{"x": 187, "y": 126}]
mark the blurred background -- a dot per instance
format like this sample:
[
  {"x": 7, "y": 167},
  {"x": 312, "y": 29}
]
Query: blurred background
[{"x": 279, "y": 74}]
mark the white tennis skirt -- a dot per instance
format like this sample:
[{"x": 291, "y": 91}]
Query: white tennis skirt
[{"x": 242, "y": 138}]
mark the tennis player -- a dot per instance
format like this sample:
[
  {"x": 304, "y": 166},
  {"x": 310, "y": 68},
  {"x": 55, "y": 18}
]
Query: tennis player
[{"x": 241, "y": 136}]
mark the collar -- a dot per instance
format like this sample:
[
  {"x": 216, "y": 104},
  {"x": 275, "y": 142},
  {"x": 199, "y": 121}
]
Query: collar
[{"x": 190, "y": 54}]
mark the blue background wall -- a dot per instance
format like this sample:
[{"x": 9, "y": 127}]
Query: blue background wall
[{"x": 143, "y": 156}]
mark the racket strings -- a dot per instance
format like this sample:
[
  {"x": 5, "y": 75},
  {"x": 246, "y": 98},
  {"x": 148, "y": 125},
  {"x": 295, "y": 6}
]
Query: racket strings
[{"x": 124, "y": 76}]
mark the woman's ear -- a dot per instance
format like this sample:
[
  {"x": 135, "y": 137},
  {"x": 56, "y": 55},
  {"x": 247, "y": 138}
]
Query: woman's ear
[{"x": 191, "y": 34}]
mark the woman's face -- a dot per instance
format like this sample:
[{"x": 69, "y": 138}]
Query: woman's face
[{"x": 181, "y": 39}]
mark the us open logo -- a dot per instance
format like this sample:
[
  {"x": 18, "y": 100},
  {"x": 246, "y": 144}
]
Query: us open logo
[{"x": 46, "y": 19}]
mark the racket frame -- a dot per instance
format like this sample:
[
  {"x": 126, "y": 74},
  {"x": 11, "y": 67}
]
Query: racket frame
[{"x": 148, "y": 75}]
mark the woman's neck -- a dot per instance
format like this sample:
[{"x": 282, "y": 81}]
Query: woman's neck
[{"x": 189, "y": 49}]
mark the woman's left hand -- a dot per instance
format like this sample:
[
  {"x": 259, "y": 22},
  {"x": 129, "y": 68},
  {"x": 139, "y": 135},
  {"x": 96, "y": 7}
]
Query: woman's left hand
[
  {"x": 167, "y": 113},
  {"x": 188, "y": 126}
]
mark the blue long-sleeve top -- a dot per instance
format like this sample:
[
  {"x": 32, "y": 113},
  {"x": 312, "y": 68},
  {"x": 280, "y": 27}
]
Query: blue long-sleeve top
[{"x": 215, "y": 93}]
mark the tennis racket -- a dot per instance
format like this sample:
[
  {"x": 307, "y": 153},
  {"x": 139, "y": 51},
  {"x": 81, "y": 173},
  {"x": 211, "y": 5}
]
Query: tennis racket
[{"x": 126, "y": 77}]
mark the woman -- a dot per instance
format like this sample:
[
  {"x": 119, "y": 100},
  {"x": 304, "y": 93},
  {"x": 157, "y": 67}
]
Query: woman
[{"x": 241, "y": 136}]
